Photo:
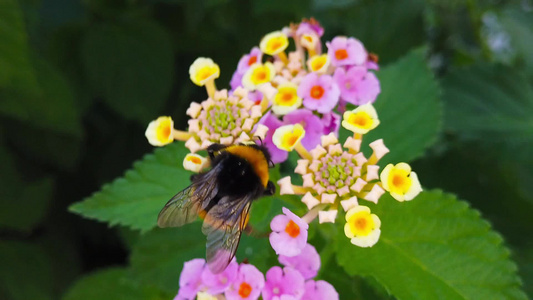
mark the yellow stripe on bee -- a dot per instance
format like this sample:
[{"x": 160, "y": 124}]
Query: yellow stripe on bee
[{"x": 255, "y": 157}]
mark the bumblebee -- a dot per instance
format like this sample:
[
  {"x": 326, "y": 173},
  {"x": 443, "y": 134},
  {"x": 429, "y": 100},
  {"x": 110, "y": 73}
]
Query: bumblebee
[{"x": 222, "y": 197}]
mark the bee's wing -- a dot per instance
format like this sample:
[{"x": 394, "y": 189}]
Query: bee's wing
[
  {"x": 183, "y": 208},
  {"x": 223, "y": 226}
]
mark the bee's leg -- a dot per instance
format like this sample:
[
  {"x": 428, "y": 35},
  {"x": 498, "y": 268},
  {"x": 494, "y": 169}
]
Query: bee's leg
[
  {"x": 270, "y": 189},
  {"x": 194, "y": 177},
  {"x": 213, "y": 148}
]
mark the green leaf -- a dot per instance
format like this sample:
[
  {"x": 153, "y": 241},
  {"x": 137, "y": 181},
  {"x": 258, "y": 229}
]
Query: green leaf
[
  {"x": 24, "y": 204},
  {"x": 111, "y": 284},
  {"x": 136, "y": 199},
  {"x": 16, "y": 70},
  {"x": 491, "y": 105},
  {"x": 158, "y": 256},
  {"x": 25, "y": 272},
  {"x": 130, "y": 65},
  {"x": 434, "y": 247},
  {"x": 519, "y": 25},
  {"x": 408, "y": 107}
]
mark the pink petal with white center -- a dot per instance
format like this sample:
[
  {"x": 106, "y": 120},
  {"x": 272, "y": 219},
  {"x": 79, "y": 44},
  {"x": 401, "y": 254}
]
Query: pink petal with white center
[
  {"x": 194, "y": 125},
  {"x": 352, "y": 144},
  {"x": 222, "y": 94},
  {"x": 194, "y": 110},
  {"x": 335, "y": 149},
  {"x": 308, "y": 180},
  {"x": 192, "y": 144},
  {"x": 360, "y": 158},
  {"x": 226, "y": 140},
  {"x": 208, "y": 103},
  {"x": 203, "y": 135},
  {"x": 329, "y": 139},
  {"x": 372, "y": 172},
  {"x": 343, "y": 191},
  {"x": 248, "y": 124},
  {"x": 261, "y": 131},
  {"x": 301, "y": 168},
  {"x": 319, "y": 188},
  {"x": 328, "y": 198},
  {"x": 309, "y": 200},
  {"x": 358, "y": 185},
  {"x": 315, "y": 165},
  {"x": 246, "y": 104},
  {"x": 327, "y": 216},
  {"x": 356, "y": 171},
  {"x": 318, "y": 152},
  {"x": 379, "y": 148},
  {"x": 267, "y": 90},
  {"x": 285, "y": 186},
  {"x": 243, "y": 138},
  {"x": 350, "y": 203},
  {"x": 374, "y": 194}
]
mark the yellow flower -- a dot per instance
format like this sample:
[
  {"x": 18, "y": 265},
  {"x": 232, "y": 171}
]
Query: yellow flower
[
  {"x": 318, "y": 63},
  {"x": 203, "y": 70},
  {"x": 159, "y": 132},
  {"x": 362, "y": 227},
  {"x": 258, "y": 74},
  {"x": 400, "y": 181},
  {"x": 194, "y": 162},
  {"x": 274, "y": 43},
  {"x": 287, "y": 137},
  {"x": 361, "y": 120},
  {"x": 286, "y": 99}
]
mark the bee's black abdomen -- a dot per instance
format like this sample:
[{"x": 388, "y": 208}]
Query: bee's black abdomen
[{"x": 237, "y": 178}]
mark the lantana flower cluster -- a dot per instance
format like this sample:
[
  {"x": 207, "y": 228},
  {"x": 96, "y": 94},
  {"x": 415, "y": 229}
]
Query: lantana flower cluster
[
  {"x": 294, "y": 280},
  {"x": 305, "y": 85}
]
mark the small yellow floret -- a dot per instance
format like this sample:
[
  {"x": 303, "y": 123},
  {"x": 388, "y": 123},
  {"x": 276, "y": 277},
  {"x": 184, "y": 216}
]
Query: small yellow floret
[
  {"x": 159, "y": 132},
  {"x": 361, "y": 120},
  {"x": 318, "y": 63},
  {"x": 286, "y": 99},
  {"x": 362, "y": 227},
  {"x": 258, "y": 74},
  {"x": 400, "y": 181},
  {"x": 274, "y": 43},
  {"x": 203, "y": 70},
  {"x": 194, "y": 162},
  {"x": 288, "y": 136}
]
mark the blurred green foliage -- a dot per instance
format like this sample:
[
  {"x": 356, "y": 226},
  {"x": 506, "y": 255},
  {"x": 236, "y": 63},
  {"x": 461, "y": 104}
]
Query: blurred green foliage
[{"x": 79, "y": 80}]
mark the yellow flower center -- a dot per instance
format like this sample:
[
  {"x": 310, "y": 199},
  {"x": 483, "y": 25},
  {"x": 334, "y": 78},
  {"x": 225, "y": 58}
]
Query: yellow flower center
[
  {"x": 245, "y": 290},
  {"x": 164, "y": 131},
  {"x": 341, "y": 54},
  {"x": 261, "y": 75},
  {"x": 276, "y": 44},
  {"x": 317, "y": 62},
  {"x": 317, "y": 92},
  {"x": 292, "y": 229},
  {"x": 360, "y": 119},
  {"x": 361, "y": 223},
  {"x": 286, "y": 96},
  {"x": 205, "y": 73},
  {"x": 399, "y": 181},
  {"x": 194, "y": 160}
]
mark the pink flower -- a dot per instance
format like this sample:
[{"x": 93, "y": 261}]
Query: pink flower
[
  {"x": 217, "y": 283},
  {"x": 331, "y": 122},
  {"x": 319, "y": 290},
  {"x": 357, "y": 85},
  {"x": 289, "y": 233},
  {"x": 312, "y": 124},
  {"x": 276, "y": 155},
  {"x": 255, "y": 56},
  {"x": 191, "y": 278},
  {"x": 345, "y": 51},
  {"x": 283, "y": 282},
  {"x": 307, "y": 262},
  {"x": 247, "y": 285},
  {"x": 319, "y": 93}
]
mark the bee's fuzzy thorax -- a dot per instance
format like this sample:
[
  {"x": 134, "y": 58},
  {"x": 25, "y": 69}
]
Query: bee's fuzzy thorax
[{"x": 255, "y": 157}]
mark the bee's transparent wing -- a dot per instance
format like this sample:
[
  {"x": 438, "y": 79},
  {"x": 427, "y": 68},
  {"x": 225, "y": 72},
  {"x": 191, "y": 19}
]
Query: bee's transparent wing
[
  {"x": 183, "y": 208},
  {"x": 223, "y": 226}
]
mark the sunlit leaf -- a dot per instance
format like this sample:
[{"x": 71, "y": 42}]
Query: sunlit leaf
[{"x": 434, "y": 247}]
